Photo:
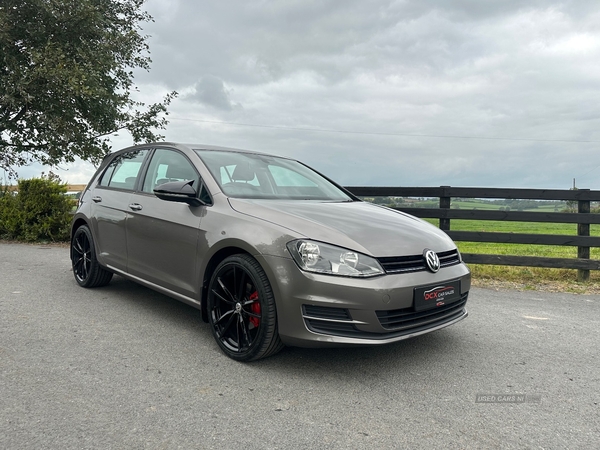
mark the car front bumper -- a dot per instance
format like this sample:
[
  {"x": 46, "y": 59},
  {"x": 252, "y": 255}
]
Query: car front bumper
[{"x": 315, "y": 310}]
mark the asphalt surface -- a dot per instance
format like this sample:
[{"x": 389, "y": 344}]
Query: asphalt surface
[{"x": 125, "y": 367}]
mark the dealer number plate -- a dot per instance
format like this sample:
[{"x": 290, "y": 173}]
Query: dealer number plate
[{"x": 436, "y": 296}]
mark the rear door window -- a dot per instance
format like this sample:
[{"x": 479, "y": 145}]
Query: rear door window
[{"x": 123, "y": 171}]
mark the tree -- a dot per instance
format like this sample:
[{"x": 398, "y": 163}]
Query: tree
[
  {"x": 571, "y": 205},
  {"x": 381, "y": 200},
  {"x": 66, "y": 79}
]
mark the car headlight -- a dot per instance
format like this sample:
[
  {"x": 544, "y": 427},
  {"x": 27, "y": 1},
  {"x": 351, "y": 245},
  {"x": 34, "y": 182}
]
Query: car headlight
[{"x": 324, "y": 258}]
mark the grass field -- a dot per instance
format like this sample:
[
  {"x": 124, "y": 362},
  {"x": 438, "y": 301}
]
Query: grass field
[
  {"x": 486, "y": 205},
  {"x": 520, "y": 277},
  {"x": 525, "y": 276}
]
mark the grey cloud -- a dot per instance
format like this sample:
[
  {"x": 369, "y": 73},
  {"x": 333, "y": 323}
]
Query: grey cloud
[
  {"x": 211, "y": 91},
  {"x": 513, "y": 69},
  {"x": 258, "y": 42}
]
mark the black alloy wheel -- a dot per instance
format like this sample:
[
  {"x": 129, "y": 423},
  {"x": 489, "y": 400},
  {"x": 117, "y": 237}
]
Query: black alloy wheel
[
  {"x": 241, "y": 309},
  {"x": 88, "y": 272}
]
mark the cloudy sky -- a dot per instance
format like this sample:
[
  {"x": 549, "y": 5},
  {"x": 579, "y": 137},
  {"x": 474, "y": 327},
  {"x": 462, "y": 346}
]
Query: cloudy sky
[{"x": 380, "y": 92}]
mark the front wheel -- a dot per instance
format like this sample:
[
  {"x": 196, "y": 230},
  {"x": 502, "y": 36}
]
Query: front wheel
[
  {"x": 86, "y": 268},
  {"x": 241, "y": 309}
]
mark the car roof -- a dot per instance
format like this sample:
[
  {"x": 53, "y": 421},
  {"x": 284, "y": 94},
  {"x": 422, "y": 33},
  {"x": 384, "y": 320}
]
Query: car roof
[{"x": 195, "y": 147}]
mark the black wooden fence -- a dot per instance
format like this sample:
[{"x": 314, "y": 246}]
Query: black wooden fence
[{"x": 583, "y": 218}]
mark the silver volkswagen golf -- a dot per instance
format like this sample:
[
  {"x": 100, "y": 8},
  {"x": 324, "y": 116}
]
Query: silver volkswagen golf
[{"x": 272, "y": 252}]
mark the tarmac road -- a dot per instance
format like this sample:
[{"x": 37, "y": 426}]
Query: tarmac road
[{"x": 124, "y": 367}]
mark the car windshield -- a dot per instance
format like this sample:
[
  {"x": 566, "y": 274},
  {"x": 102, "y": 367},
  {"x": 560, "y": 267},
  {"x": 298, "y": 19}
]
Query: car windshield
[{"x": 249, "y": 175}]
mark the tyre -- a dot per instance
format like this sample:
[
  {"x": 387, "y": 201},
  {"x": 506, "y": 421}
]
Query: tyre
[
  {"x": 86, "y": 268},
  {"x": 241, "y": 310}
]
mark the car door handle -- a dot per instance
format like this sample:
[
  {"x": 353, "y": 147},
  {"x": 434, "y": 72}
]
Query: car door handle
[
  {"x": 135, "y": 206},
  {"x": 96, "y": 199}
]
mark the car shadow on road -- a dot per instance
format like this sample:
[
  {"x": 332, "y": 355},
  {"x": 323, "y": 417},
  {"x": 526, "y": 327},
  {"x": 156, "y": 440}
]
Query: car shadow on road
[
  {"x": 150, "y": 305},
  {"x": 441, "y": 346},
  {"x": 434, "y": 349}
]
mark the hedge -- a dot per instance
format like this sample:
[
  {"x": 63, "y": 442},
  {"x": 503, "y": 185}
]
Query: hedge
[{"x": 39, "y": 210}]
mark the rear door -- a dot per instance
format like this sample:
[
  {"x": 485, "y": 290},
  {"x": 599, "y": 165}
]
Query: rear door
[
  {"x": 162, "y": 236},
  {"x": 110, "y": 207}
]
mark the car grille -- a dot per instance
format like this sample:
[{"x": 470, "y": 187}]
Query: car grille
[
  {"x": 326, "y": 313},
  {"x": 333, "y": 328},
  {"x": 416, "y": 263},
  {"x": 407, "y": 318},
  {"x": 399, "y": 322},
  {"x": 326, "y": 320}
]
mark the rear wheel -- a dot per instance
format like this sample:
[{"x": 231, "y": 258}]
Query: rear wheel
[
  {"x": 241, "y": 309},
  {"x": 86, "y": 268}
]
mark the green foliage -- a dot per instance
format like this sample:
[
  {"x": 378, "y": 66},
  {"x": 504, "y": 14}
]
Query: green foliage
[
  {"x": 66, "y": 75},
  {"x": 381, "y": 200},
  {"x": 423, "y": 203},
  {"x": 38, "y": 210},
  {"x": 571, "y": 205}
]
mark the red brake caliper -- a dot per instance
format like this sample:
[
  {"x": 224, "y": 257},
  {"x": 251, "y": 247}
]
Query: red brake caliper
[{"x": 255, "y": 308}]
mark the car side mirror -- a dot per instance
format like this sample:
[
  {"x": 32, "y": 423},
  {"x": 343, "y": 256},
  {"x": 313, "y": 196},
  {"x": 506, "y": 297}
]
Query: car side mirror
[{"x": 178, "y": 191}]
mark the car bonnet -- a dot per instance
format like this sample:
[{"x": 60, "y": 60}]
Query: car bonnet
[{"x": 359, "y": 226}]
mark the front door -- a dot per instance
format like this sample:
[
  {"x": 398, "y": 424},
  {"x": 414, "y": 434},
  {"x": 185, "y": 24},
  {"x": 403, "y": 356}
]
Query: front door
[{"x": 162, "y": 236}]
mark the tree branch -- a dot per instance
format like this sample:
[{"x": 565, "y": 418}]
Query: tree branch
[{"x": 19, "y": 115}]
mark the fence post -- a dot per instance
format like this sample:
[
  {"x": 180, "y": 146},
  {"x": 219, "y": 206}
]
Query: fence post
[
  {"x": 583, "y": 229},
  {"x": 444, "y": 204}
]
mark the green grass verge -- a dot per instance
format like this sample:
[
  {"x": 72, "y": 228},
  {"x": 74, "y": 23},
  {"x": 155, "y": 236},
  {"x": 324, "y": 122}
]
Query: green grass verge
[{"x": 525, "y": 276}]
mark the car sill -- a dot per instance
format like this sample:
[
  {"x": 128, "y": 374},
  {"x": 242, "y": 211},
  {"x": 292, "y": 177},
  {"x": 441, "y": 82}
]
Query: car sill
[{"x": 182, "y": 298}]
